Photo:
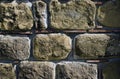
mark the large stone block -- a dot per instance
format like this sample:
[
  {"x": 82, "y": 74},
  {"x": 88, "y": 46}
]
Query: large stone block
[
  {"x": 51, "y": 46},
  {"x": 14, "y": 48},
  {"x": 36, "y": 70},
  {"x": 40, "y": 14},
  {"x": 7, "y": 71},
  {"x": 72, "y": 14},
  {"x": 111, "y": 70},
  {"x": 109, "y": 14},
  {"x": 15, "y": 16},
  {"x": 76, "y": 70},
  {"x": 92, "y": 46}
]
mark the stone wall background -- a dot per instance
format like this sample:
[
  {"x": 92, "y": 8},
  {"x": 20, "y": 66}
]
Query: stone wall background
[{"x": 59, "y": 39}]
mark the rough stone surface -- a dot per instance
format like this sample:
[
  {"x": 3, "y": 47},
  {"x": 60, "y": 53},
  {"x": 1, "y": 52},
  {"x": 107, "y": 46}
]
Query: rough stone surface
[
  {"x": 36, "y": 70},
  {"x": 51, "y": 46},
  {"x": 76, "y": 70},
  {"x": 40, "y": 14},
  {"x": 7, "y": 71},
  {"x": 72, "y": 14},
  {"x": 15, "y": 16},
  {"x": 112, "y": 70},
  {"x": 109, "y": 14},
  {"x": 97, "y": 45},
  {"x": 14, "y": 48}
]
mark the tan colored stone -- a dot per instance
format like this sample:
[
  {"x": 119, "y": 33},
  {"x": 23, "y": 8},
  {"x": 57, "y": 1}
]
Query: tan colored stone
[
  {"x": 7, "y": 71},
  {"x": 109, "y": 14},
  {"x": 40, "y": 14},
  {"x": 14, "y": 48},
  {"x": 92, "y": 46},
  {"x": 51, "y": 46},
  {"x": 36, "y": 70},
  {"x": 76, "y": 70},
  {"x": 15, "y": 16},
  {"x": 72, "y": 14}
]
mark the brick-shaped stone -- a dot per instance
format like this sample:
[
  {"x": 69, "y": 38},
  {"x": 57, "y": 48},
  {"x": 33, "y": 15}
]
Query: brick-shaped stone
[
  {"x": 14, "y": 48},
  {"x": 111, "y": 70},
  {"x": 15, "y": 16},
  {"x": 72, "y": 14},
  {"x": 40, "y": 14},
  {"x": 76, "y": 70},
  {"x": 109, "y": 14},
  {"x": 92, "y": 46},
  {"x": 51, "y": 46},
  {"x": 7, "y": 71},
  {"x": 36, "y": 70}
]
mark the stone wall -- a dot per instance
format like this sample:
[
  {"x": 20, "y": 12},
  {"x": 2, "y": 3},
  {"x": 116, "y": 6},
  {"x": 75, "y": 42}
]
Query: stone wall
[{"x": 59, "y": 39}]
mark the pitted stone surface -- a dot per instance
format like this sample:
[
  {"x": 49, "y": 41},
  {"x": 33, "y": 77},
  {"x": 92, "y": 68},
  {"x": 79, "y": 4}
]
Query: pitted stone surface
[
  {"x": 15, "y": 16},
  {"x": 76, "y": 70},
  {"x": 109, "y": 14},
  {"x": 14, "y": 48},
  {"x": 111, "y": 70},
  {"x": 40, "y": 14},
  {"x": 36, "y": 70},
  {"x": 7, "y": 71},
  {"x": 72, "y": 14},
  {"x": 51, "y": 46},
  {"x": 97, "y": 45}
]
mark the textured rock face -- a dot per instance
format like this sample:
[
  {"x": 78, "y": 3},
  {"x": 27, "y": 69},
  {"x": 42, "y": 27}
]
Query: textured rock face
[
  {"x": 51, "y": 46},
  {"x": 36, "y": 70},
  {"x": 76, "y": 70},
  {"x": 15, "y": 16},
  {"x": 7, "y": 71},
  {"x": 109, "y": 14},
  {"x": 112, "y": 70},
  {"x": 72, "y": 14},
  {"x": 40, "y": 14},
  {"x": 14, "y": 48},
  {"x": 97, "y": 45}
]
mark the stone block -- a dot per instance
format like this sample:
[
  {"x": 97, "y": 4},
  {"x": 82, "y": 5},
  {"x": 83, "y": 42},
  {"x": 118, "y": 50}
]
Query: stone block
[
  {"x": 109, "y": 14},
  {"x": 15, "y": 17},
  {"x": 14, "y": 47},
  {"x": 93, "y": 46},
  {"x": 51, "y": 46},
  {"x": 36, "y": 70},
  {"x": 76, "y": 70},
  {"x": 72, "y": 14}
]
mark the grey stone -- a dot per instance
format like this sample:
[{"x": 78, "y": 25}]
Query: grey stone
[
  {"x": 36, "y": 70},
  {"x": 111, "y": 70},
  {"x": 92, "y": 46},
  {"x": 40, "y": 14},
  {"x": 14, "y": 48},
  {"x": 7, "y": 71},
  {"x": 72, "y": 14},
  {"x": 15, "y": 16},
  {"x": 51, "y": 46},
  {"x": 76, "y": 70},
  {"x": 109, "y": 14}
]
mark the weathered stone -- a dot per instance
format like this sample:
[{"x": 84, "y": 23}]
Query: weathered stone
[
  {"x": 97, "y": 45},
  {"x": 7, "y": 71},
  {"x": 76, "y": 70},
  {"x": 111, "y": 70},
  {"x": 109, "y": 14},
  {"x": 15, "y": 16},
  {"x": 14, "y": 48},
  {"x": 40, "y": 14},
  {"x": 36, "y": 70},
  {"x": 51, "y": 46},
  {"x": 72, "y": 14}
]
